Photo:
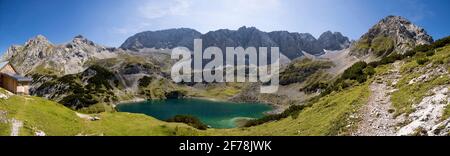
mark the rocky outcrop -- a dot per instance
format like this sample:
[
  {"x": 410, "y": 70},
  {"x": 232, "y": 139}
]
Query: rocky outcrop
[
  {"x": 244, "y": 37},
  {"x": 38, "y": 55},
  {"x": 391, "y": 34},
  {"x": 333, "y": 41},
  {"x": 427, "y": 117},
  {"x": 108, "y": 81},
  {"x": 164, "y": 39},
  {"x": 291, "y": 44},
  {"x": 81, "y": 73}
]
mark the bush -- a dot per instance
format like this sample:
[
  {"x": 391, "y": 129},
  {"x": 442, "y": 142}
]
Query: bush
[
  {"x": 422, "y": 61},
  {"x": 78, "y": 101},
  {"x": 430, "y": 53},
  {"x": 355, "y": 72},
  {"x": 190, "y": 120},
  {"x": 100, "y": 78},
  {"x": 369, "y": 70},
  {"x": 292, "y": 111},
  {"x": 299, "y": 70},
  {"x": 145, "y": 81}
]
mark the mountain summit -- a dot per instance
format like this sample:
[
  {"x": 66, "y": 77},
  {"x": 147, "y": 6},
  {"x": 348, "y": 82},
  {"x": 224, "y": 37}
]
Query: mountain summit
[
  {"x": 391, "y": 34},
  {"x": 333, "y": 41},
  {"x": 163, "y": 39},
  {"x": 40, "y": 54},
  {"x": 291, "y": 44}
]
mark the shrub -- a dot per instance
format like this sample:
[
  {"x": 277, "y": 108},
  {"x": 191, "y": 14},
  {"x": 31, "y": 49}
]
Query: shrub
[
  {"x": 422, "y": 61},
  {"x": 430, "y": 53},
  {"x": 355, "y": 72},
  {"x": 369, "y": 70},
  {"x": 100, "y": 78},
  {"x": 190, "y": 120},
  {"x": 292, "y": 111},
  {"x": 298, "y": 71},
  {"x": 78, "y": 101},
  {"x": 427, "y": 49},
  {"x": 145, "y": 81}
]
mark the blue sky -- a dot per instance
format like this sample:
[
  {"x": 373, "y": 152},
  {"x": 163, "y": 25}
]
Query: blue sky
[{"x": 110, "y": 22}]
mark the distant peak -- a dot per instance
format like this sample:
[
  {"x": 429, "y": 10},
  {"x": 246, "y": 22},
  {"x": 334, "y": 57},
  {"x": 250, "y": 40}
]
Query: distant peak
[
  {"x": 79, "y": 36},
  {"x": 395, "y": 20},
  {"x": 37, "y": 40},
  {"x": 401, "y": 33},
  {"x": 393, "y": 17},
  {"x": 174, "y": 30},
  {"x": 81, "y": 39},
  {"x": 245, "y": 27},
  {"x": 40, "y": 38}
]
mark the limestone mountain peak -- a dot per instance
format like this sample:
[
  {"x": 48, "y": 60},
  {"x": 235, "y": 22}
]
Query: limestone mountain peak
[
  {"x": 38, "y": 39},
  {"x": 391, "y": 34}
]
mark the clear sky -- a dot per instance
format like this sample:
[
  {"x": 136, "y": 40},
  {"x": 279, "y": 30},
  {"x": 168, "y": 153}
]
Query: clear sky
[{"x": 110, "y": 22}]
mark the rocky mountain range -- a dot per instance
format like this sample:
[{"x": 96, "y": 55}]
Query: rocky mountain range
[
  {"x": 41, "y": 56},
  {"x": 65, "y": 72},
  {"x": 127, "y": 66},
  {"x": 391, "y": 34},
  {"x": 291, "y": 44},
  {"x": 81, "y": 73},
  {"x": 405, "y": 96}
]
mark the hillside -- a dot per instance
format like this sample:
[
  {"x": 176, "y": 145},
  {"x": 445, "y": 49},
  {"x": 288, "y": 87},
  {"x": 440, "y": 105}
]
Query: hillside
[
  {"x": 393, "y": 81},
  {"x": 393, "y": 34},
  {"x": 29, "y": 116},
  {"x": 39, "y": 55},
  {"x": 88, "y": 77},
  {"x": 342, "y": 112}
]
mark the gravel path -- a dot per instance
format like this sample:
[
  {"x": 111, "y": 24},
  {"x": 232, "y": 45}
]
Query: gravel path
[
  {"x": 376, "y": 116},
  {"x": 15, "y": 128}
]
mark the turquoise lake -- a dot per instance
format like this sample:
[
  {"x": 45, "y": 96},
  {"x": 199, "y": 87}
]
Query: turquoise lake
[{"x": 213, "y": 113}]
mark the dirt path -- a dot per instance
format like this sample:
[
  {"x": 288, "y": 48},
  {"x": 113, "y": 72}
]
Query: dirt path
[
  {"x": 376, "y": 119},
  {"x": 15, "y": 128}
]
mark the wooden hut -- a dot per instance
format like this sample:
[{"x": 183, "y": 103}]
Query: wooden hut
[{"x": 12, "y": 81}]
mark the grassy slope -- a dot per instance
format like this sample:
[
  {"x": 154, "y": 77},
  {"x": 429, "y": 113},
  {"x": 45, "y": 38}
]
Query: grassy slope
[
  {"x": 55, "y": 119},
  {"x": 380, "y": 45},
  {"x": 326, "y": 117},
  {"x": 409, "y": 94}
]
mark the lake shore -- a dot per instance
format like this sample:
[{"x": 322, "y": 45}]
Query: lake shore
[
  {"x": 217, "y": 114},
  {"x": 237, "y": 122},
  {"x": 131, "y": 101},
  {"x": 276, "y": 109}
]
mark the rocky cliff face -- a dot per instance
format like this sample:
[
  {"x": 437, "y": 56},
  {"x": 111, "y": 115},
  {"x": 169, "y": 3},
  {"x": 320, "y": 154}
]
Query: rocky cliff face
[
  {"x": 38, "y": 55},
  {"x": 81, "y": 73},
  {"x": 164, "y": 39},
  {"x": 333, "y": 41},
  {"x": 291, "y": 44},
  {"x": 391, "y": 34}
]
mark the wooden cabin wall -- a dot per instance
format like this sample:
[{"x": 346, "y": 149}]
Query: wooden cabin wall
[{"x": 9, "y": 83}]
